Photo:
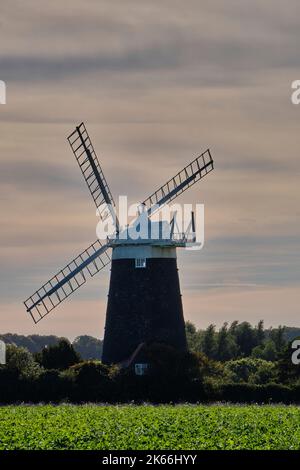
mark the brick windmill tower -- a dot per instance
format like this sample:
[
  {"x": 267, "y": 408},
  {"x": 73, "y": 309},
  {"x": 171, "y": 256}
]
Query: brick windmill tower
[{"x": 144, "y": 300}]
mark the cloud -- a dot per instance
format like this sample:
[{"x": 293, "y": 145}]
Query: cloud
[
  {"x": 208, "y": 44},
  {"x": 38, "y": 69},
  {"x": 156, "y": 83},
  {"x": 42, "y": 175}
]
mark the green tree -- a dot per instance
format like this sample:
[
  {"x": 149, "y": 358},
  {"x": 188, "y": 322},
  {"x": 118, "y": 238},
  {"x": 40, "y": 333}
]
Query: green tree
[
  {"x": 193, "y": 337},
  {"x": 245, "y": 338},
  {"x": 223, "y": 353},
  {"x": 226, "y": 345},
  {"x": 88, "y": 347},
  {"x": 265, "y": 373},
  {"x": 260, "y": 332},
  {"x": 250, "y": 370},
  {"x": 209, "y": 341},
  {"x": 60, "y": 356},
  {"x": 277, "y": 335},
  {"x": 21, "y": 362},
  {"x": 269, "y": 351},
  {"x": 233, "y": 327},
  {"x": 265, "y": 351},
  {"x": 258, "y": 352}
]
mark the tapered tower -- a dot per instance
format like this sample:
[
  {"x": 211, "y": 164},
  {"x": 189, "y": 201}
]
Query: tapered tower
[{"x": 144, "y": 300}]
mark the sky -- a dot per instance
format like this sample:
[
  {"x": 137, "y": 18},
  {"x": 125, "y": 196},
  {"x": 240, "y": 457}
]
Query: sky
[{"x": 156, "y": 84}]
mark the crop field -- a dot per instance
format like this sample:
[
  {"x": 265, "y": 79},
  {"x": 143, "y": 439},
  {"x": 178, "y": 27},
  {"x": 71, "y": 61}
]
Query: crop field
[{"x": 149, "y": 427}]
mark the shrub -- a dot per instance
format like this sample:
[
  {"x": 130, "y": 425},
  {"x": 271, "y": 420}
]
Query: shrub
[
  {"x": 59, "y": 356},
  {"x": 93, "y": 381},
  {"x": 249, "y": 393},
  {"x": 250, "y": 370}
]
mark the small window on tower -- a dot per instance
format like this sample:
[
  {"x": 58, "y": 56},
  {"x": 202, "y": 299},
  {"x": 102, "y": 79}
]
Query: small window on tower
[
  {"x": 140, "y": 369},
  {"x": 140, "y": 262}
]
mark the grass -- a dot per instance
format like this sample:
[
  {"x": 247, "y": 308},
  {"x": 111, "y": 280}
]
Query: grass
[{"x": 149, "y": 427}]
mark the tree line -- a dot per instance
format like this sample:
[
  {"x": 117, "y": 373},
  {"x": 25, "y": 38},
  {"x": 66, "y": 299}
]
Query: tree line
[
  {"x": 87, "y": 347},
  {"x": 237, "y": 363},
  {"x": 240, "y": 340},
  {"x": 227, "y": 343}
]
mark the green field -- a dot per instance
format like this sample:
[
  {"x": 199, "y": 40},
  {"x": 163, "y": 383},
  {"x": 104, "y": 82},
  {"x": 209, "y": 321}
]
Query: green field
[{"x": 149, "y": 427}]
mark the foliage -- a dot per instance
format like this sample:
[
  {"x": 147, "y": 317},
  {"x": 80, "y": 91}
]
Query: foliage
[
  {"x": 34, "y": 343},
  {"x": 252, "y": 393},
  {"x": 237, "y": 341},
  {"x": 250, "y": 370},
  {"x": 209, "y": 342},
  {"x": 88, "y": 347},
  {"x": 21, "y": 362},
  {"x": 60, "y": 356},
  {"x": 242, "y": 363},
  {"x": 265, "y": 351},
  {"x": 183, "y": 427},
  {"x": 93, "y": 381},
  {"x": 193, "y": 337}
]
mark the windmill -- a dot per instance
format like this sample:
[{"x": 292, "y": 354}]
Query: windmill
[{"x": 144, "y": 301}]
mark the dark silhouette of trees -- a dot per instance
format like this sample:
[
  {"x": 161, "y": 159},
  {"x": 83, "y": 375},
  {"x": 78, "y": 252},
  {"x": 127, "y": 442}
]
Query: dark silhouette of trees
[
  {"x": 87, "y": 346},
  {"x": 209, "y": 342},
  {"x": 34, "y": 343},
  {"x": 91, "y": 348},
  {"x": 277, "y": 336},
  {"x": 238, "y": 362},
  {"x": 245, "y": 338},
  {"x": 237, "y": 340},
  {"x": 60, "y": 356},
  {"x": 260, "y": 332},
  {"x": 226, "y": 345},
  {"x": 193, "y": 337}
]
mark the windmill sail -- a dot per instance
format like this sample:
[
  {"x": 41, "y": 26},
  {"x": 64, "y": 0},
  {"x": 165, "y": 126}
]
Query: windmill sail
[
  {"x": 67, "y": 281},
  {"x": 186, "y": 178},
  {"x": 88, "y": 162}
]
